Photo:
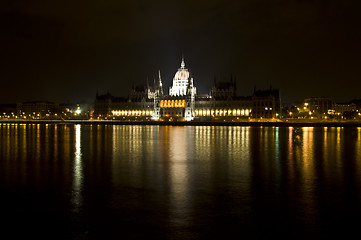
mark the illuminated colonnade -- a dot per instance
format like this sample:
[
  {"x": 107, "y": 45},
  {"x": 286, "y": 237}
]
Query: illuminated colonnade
[
  {"x": 133, "y": 113},
  {"x": 180, "y": 104},
  {"x": 222, "y": 112},
  {"x": 172, "y": 103}
]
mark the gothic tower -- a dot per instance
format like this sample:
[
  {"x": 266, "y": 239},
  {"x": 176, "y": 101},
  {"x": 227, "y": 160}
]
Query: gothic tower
[
  {"x": 190, "y": 101},
  {"x": 158, "y": 94}
]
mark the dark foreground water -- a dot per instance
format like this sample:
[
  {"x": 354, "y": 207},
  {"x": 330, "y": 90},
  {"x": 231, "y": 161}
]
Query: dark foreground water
[{"x": 193, "y": 182}]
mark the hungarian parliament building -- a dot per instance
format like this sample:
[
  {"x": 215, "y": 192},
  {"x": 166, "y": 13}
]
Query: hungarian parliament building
[{"x": 183, "y": 104}]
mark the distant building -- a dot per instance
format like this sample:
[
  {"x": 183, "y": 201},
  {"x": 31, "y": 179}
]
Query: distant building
[
  {"x": 224, "y": 90},
  {"x": 266, "y": 103},
  {"x": 110, "y": 107},
  {"x": 183, "y": 103},
  {"x": 36, "y": 109},
  {"x": 7, "y": 110},
  {"x": 223, "y": 103},
  {"x": 75, "y": 110},
  {"x": 317, "y": 105},
  {"x": 341, "y": 108}
]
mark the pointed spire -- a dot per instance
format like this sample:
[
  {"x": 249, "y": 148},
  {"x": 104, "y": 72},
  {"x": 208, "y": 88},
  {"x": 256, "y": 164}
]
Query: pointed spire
[
  {"x": 183, "y": 64},
  {"x": 160, "y": 85},
  {"x": 159, "y": 78}
]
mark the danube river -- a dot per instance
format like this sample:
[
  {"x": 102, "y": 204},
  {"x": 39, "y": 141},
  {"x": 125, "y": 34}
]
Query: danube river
[{"x": 73, "y": 181}]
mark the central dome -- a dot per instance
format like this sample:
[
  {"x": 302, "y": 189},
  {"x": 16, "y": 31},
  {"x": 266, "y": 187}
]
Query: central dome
[
  {"x": 181, "y": 81},
  {"x": 181, "y": 74}
]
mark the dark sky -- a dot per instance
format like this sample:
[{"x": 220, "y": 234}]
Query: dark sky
[{"x": 66, "y": 51}]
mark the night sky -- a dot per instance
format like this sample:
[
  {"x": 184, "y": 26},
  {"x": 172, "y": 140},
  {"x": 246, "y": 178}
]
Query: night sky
[{"x": 66, "y": 51}]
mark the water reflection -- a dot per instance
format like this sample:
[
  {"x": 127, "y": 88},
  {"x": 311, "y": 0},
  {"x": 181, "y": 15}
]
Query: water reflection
[
  {"x": 180, "y": 149},
  {"x": 77, "y": 170},
  {"x": 134, "y": 149},
  {"x": 192, "y": 180},
  {"x": 358, "y": 155},
  {"x": 308, "y": 154}
]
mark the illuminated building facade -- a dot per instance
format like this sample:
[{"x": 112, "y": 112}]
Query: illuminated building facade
[
  {"x": 139, "y": 105},
  {"x": 223, "y": 103},
  {"x": 180, "y": 102},
  {"x": 183, "y": 104}
]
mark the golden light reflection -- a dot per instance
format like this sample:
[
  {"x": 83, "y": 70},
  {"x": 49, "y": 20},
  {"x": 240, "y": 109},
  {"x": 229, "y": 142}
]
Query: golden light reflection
[
  {"x": 325, "y": 146},
  {"x": 292, "y": 138},
  {"x": 204, "y": 136},
  {"x": 47, "y": 147},
  {"x": 56, "y": 142},
  {"x": 277, "y": 149},
  {"x": 338, "y": 146},
  {"x": 133, "y": 147},
  {"x": 38, "y": 142},
  {"x": 77, "y": 170},
  {"x": 240, "y": 167},
  {"x": 178, "y": 158},
  {"x": 231, "y": 145},
  {"x": 358, "y": 155},
  {"x": 306, "y": 169},
  {"x": 307, "y": 150},
  {"x": 38, "y": 153},
  {"x": 16, "y": 140},
  {"x": 290, "y": 142}
]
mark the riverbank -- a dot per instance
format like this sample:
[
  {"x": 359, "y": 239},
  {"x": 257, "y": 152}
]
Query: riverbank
[{"x": 279, "y": 123}]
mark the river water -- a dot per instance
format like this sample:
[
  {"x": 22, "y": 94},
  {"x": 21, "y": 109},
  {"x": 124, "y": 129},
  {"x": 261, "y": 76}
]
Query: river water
[{"x": 71, "y": 181}]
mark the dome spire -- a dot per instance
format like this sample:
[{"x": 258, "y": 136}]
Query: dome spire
[{"x": 183, "y": 64}]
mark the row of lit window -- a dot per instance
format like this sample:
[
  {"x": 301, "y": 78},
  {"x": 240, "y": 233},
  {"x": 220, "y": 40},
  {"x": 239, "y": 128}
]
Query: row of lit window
[
  {"x": 222, "y": 112},
  {"x": 132, "y": 113},
  {"x": 172, "y": 103}
]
